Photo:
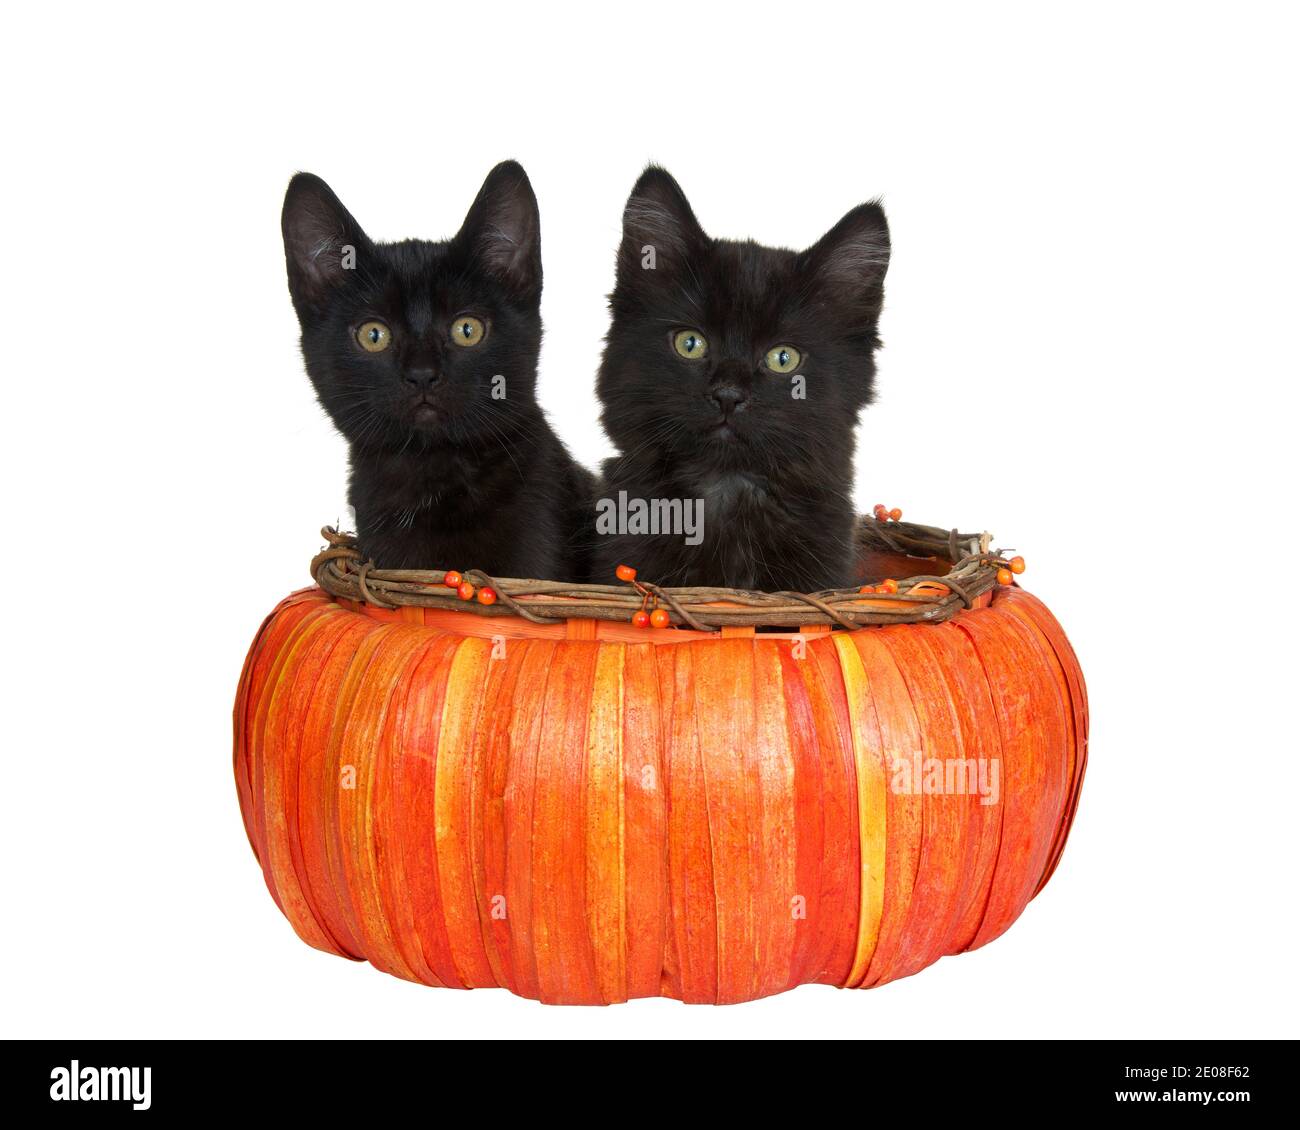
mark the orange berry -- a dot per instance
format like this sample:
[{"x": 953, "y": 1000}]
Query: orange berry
[
  {"x": 1004, "y": 576},
  {"x": 889, "y": 585},
  {"x": 896, "y": 513},
  {"x": 882, "y": 515},
  {"x": 451, "y": 578},
  {"x": 867, "y": 588},
  {"x": 465, "y": 590},
  {"x": 1017, "y": 564},
  {"x": 487, "y": 595},
  {"x": 659, "y": 618},
  {"x": 625, "y": 573},
  {"x": 641, "y": 618}
]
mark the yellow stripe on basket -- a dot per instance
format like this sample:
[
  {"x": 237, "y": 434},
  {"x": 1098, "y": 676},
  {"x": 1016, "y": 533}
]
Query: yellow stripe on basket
[
  {"x": 871, "y": 808},
  {"x": 451, "y": 810}
]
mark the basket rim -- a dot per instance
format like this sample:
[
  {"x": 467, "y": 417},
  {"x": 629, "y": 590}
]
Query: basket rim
[{"x": 934, "y": 597}]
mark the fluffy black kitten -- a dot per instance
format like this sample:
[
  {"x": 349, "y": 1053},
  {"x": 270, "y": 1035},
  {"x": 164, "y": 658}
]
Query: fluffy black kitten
[
  {"x": 425, "y": 357},
  {"x": 734, "y": 373}
]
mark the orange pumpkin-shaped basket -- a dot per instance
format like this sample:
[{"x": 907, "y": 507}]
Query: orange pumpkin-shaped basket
[{"x": 782, "y": 789}]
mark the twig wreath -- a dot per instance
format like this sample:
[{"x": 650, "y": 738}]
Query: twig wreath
[{"x": 927, "y": 597}]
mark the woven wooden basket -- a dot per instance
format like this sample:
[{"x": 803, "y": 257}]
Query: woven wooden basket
[
  {"x": 939, "y": 572},
  {"x": 538, "y": 795}
]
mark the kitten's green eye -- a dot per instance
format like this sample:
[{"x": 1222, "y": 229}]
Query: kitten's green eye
[
  {"x": 691, "y": 344},
  {"x": 467, "y": 331},
  {"x": 374, "y": 337},
  {"x": 783, "y": 359}
]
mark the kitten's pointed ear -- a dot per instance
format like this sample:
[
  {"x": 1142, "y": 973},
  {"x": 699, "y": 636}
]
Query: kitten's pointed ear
[
  {"x": 660, "y": 231},
  {"x": 503, "y": 230},
  {"x": 849, "y": 262},
  {"x": 321, "y": 240}
]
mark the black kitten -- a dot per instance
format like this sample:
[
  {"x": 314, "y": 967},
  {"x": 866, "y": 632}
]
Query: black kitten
[
  {"x": 425, "y": 357},
  {"x": 734, "y": 374}
]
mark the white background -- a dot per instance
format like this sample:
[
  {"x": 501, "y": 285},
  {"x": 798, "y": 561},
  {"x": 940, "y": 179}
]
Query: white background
[{"x": 1090, "y": 350}]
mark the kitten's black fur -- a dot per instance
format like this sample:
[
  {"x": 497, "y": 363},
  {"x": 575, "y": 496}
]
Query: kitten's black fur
[
  {"x": 443, "y": 475},
  {"x": 775, "y": 472}
]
